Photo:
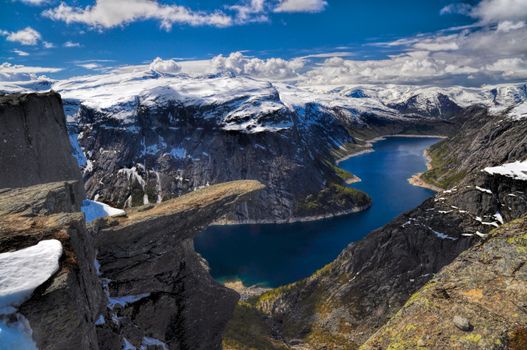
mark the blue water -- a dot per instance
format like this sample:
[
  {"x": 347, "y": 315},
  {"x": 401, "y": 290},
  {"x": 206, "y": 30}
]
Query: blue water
[{"x": 275, "y": 254}]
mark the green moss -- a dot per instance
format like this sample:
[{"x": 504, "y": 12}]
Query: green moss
[
  {"x": 520, "y": 242},
  {"x": 444, "y": 172},
  {"x": 472, "y": 338},
  {"x": 343, "y": 174},
  {"x": 248, "y": 329},
  {"x": 332, "y": 198}
]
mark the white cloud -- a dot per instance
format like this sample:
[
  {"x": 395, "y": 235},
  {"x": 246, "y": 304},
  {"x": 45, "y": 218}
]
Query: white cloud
[
  {"x": 20, "y": 52},
  {"x": 272, "y": 68},
  {"x": 495, "y": 11},
  {"x": 90, "y": 65},
  {"x": 164, "y": 66},
  {"x": 26, "y": 36},
  {"x": 507, "y": 26},
  {"x": 112, "y": 13},
  {"x": 488, "y": 54},
  {"x": 301, "y": 6},
  {"x": 48, "y": 45},
  {"x": 12, "y": 72},
  {"x": 70, "y": 44},
  {"x": 250, "y": 11},
  {"x": 458, "y": 8},
  {"x": 35, "y": 2}
]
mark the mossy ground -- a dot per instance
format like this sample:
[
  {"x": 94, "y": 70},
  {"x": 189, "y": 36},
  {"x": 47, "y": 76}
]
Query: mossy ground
[
  {"x": 332, "y": 198},
  {"x": 444, "y": 171}
]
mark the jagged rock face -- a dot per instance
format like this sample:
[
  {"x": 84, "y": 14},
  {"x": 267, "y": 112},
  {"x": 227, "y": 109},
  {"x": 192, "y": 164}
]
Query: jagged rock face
[
  {"x": 34, "y": 142},
  {"x": 149, "y": 266},
  {"x": 486, "y": 286},
  {"x": 62, "y": 311},
  {"x": 343, "y": 304},
  {"x": 149, "y": 288},
  {"x": 439, "y": 106},
  {"x": 171, "y": 151}
]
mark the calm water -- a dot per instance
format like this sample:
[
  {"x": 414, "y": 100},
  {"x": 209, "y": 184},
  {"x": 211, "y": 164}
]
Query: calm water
[{"x": 275, "y": 254}]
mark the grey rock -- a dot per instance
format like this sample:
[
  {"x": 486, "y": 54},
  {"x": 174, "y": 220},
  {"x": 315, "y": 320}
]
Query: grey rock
[
  {"x": 462, "y": 323},
  {"x": 34, "y": 144}
]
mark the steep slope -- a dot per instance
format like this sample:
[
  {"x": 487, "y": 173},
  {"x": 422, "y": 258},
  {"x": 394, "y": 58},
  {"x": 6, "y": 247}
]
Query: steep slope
[
  {"x": 344, "y": 303},
  {"x": 476, "y": 302},
  {"x": 149, "y": 136},
  {"x": 33, "y": 139},
  {"x": 132, "y": 281}
]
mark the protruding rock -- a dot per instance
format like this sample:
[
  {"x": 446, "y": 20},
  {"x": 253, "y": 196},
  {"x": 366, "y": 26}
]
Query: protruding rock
[{"x": 462, "y": 323}]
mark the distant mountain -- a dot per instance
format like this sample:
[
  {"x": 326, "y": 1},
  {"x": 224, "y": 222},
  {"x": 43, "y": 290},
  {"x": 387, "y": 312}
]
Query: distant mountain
[{"x": 144, "y": 136}]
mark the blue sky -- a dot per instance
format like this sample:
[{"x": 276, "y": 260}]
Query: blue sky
[
  {"x": 340, "y": 24},
  {"x": 108, "y": 33}
]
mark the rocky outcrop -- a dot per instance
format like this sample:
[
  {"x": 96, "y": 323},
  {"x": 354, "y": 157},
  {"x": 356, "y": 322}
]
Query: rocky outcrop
[
  {"x": 478, "y": 301},
  {"x": 34, "y": 144},
  {"x": 121, "y": 282},
  {"x": 343, "y": 304},
  {"x": 143, "y": 152},
  {"x": 62, "y": 311},
  {"x": 157, "y": 286}
]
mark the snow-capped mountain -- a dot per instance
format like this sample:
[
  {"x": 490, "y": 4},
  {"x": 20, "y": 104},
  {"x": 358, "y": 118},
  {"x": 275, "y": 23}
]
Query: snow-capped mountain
[{"x": 144, "y": 135}]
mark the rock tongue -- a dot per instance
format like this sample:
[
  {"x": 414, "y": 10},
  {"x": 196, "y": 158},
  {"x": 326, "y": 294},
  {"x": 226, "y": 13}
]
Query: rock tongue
[{"x": 150, "y": 254}]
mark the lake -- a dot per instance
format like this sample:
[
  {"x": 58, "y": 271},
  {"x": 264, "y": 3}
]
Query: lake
[{"x": 271, "y": 255}]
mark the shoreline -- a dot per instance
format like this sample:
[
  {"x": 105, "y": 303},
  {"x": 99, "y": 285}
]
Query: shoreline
[
  {"x": 291, "y": 220},
  {"x": 244, "y": 291},
  {"x": 368, "y": 145},
  {"x": 415, "y": 180}
]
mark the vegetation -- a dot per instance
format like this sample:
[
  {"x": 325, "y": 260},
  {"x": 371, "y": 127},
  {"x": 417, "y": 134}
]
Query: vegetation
[
  {"x": 249, "y": 329},
  {"x": 444, "y": 172},
  {"x": 333, "y": 198}
]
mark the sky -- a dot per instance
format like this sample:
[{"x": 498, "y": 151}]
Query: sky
[{"x": 441, "y": 42}]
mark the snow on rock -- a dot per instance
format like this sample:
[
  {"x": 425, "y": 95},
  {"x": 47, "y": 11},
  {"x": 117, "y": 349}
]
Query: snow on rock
[
  {"x": 484, "y": 190},
  {"x": 149, "y": 342},
  {"x": 93, "y": 210},
  {"x": 77, "y": 151},
  {"x": 24, "y": 270},
  {"x": 516, "y": 170},
  {"x": 124, "y": 300}
]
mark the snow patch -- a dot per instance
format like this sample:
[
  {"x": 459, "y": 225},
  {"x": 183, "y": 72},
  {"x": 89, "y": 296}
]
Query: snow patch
[
  {"x": 516, "y": 170},
  {"x": 484, "y": 190},
  {"x": 93, "y": 210},
  {"x": 22, "y": 271}
]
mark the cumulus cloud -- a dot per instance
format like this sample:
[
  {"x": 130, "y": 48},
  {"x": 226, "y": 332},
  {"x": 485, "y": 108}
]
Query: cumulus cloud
[
  {"x": 164, "y": 66},
  {"x": 48, "y": 45},
  {"x": 12, "y": 72},
  {"x": 495, "y": 11},
  {"x": 26, "y": 36},
  {"x": 112, "y": 13},
  {"x": 301, "y": 6},
  {"x": 250, "y": 11},
  {"x": 272, "y": 68},
  {"x": 489, "y": 54}
]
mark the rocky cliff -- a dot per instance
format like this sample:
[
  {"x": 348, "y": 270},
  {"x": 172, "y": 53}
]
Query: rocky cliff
[
  {"x": 478, "y": 301},
  {"x": 34, "y": 142},
  {"x": 343, "y": 304},
  {"x": 132, "y": 281}
]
